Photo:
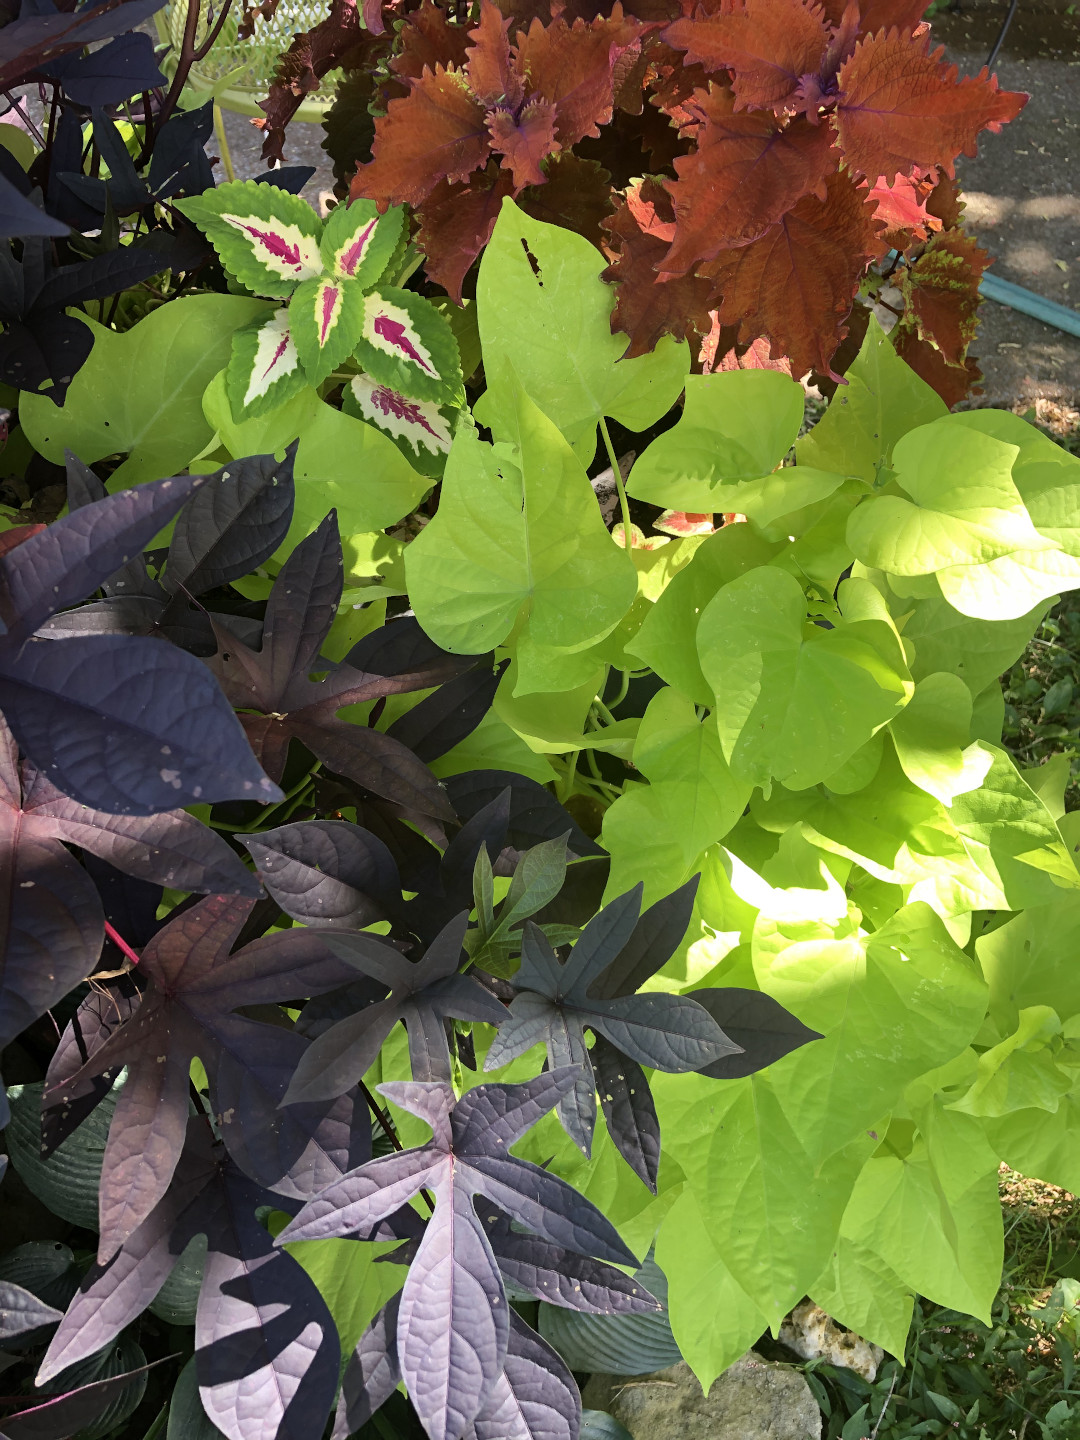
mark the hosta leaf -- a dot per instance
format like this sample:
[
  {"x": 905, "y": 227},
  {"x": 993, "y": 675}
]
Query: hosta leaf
[
  {"x": 517, "y": 535},
  {"x": 407, "y": 345},
  {"x": 326, "y": 319},
  {"x": 266, "y": 237},
  {"x": 615, "y": 1344},
  {"x": 140, "y": 393},
  {"x": 357, "y": 242},
  {"x": 264, "y": 368},
  {"x": 67, "y": 1180},
  {"x": 795, "y": 701},
  {"x": 552, "y": 323}
]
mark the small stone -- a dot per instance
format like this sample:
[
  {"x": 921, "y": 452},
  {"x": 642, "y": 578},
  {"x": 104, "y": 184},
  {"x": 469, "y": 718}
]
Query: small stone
[
  {"x": 813, "y": 1335},
  {"x": 753, "y": 1400}
]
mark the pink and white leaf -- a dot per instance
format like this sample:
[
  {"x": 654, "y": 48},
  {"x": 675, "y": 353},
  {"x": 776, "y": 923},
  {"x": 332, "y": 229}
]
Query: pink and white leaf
[
  {"x": 419, "y": 422},
  {"x": 264, "y": 368},
  {"x": 326, "y": 316},
  {"x": 358, "y": 243},
  {"x": 408, "y": 346}
]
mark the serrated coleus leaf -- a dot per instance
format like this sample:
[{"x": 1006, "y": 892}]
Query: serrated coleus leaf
[
  {"x": 266, "y": 1347},
  {"x": 404, "y": 343},
  {"x": 193, "y": 988},
  {"x": 266, "y": 237},
  {"x": 901, "y": 108},
  {"x": 280, "y": 701},
  {"x": 358, "y": 243},
  {"x": 553, "y": 1007},
  {"x": 453, "y": 1324},
  {"x": 326, "y": 320},
  {"x": 420, "y": 422},
  {"x": 264, "y": 368},
  {"x": 522, "y": 102},
  {"x": 128, "y": 725},
  {"x": 423, "y": 994}
]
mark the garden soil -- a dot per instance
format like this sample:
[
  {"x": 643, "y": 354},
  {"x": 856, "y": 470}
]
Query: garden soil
[{"x": 1023, "y": 189}]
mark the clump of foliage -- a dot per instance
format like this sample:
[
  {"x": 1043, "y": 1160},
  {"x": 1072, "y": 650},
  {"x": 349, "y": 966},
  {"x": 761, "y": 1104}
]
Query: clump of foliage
[
  {"x": 747, "y": 168},
  {"x": 429, "y": 900}
]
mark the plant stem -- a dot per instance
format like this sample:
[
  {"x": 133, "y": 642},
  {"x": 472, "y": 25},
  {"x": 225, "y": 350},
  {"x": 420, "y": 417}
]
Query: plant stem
[
  {"x": 121, "y": 944},
  {"x": 566, "y": 784},
  {"x": 620, "y": 694},
  {"x": 624, "y": 503},
  {"x": 223, "y": 143}
]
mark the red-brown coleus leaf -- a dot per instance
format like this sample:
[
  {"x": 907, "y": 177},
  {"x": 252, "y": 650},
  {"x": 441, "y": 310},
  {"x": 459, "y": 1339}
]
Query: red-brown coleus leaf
[
  {"x": 436, "y": 132},
  {"x": 281, "y": 702},
  {"x": 493, "y": 77},
  {"x": 525, "y": 140},
  {"x": 311, "y": 56},
  {"x": 901, "y": 208},
  {"x": 768, "y": 45},
  {"x": 429, "y": 38},
  {"x": 796, "y": 284},
  {"x": 193, "y": 988},
  {"x": 746, "y": 172},
  {"x": 453, "y": 1325},
  {"x": 456, "y": 222},
  {"x": 549, "y": 91},
  {"x": 875, "y": 15},
  {"x": 952, "y": 382},
  {"x": 941, "y": 293},
  {"x": 576, "y": 195},
  {"x": 642, "y": 230},
  {"x": 572, "y": 67},
  {"x": 901, "y": 108}
]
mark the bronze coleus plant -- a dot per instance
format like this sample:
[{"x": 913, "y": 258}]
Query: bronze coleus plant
[{"x": 341, "y": 307}]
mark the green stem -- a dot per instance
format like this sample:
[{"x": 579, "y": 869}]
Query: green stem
[
  {"x": 603, "y": 711},
  {"x": 223, "y": 144},
  {"x": 624, "y": 503},
  {"x": 620, "y": 694},
  {"x": 267, "y": 820},
  {"x": 566, "y": 784}
]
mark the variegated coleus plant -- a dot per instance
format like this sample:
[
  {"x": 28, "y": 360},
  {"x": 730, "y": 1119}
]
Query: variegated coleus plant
[{"x": 341, "y": 311}]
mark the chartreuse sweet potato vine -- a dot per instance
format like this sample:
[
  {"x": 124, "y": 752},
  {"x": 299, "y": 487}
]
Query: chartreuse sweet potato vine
[{"x": 677, "y": 897}]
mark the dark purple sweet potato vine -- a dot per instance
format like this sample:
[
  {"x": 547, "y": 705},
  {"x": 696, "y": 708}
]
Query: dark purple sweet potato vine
[{"x": 216, "y": 999}]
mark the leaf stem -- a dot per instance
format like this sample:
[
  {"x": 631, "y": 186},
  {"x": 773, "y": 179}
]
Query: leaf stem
[
  {"x": 121, "y": 944},
  {"x": 624, "y": 503}
]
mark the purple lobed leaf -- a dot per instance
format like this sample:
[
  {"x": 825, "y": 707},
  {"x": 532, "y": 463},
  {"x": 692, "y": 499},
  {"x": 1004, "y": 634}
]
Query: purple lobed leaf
[
  {"x": 70, "y": 558},
  {"x": 535, "y": 1398},
  {"x": 453, "y": 1324},
  {"x": 372, "y": 1374},
  {"x": 657, "y": 1029},
  {"x": 760, "y": 1024},
  {"x": 326, "y": 872},
  {"x": 21, "y": 1311},
  {"x": 193, "y": 987}
]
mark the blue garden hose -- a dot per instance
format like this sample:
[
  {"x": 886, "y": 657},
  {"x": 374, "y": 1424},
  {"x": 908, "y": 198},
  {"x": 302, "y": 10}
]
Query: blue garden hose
[{"x": 1028, "y": 303}]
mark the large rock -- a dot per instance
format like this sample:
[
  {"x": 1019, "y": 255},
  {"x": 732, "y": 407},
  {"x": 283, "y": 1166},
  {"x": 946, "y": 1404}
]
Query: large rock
[{"x": 753, "y": 1400}]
